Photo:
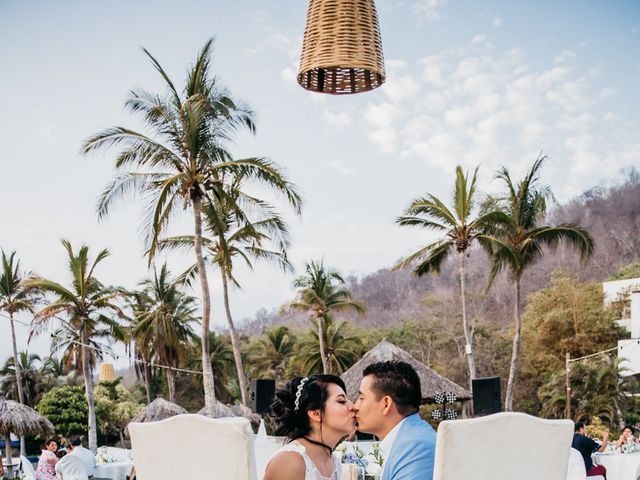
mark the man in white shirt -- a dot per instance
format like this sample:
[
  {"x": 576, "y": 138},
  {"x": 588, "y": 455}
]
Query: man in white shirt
[
  {"x": 79, "y": 463},
  {"x": 387, "y": 406}
]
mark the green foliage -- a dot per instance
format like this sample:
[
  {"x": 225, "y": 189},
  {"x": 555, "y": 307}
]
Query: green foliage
[
  {"x": 628, "y": 271},
  {"x": 269, "y": 353},
  {"x": 596, "y": 429},
  {"x": 568, "y": 316},
  {"x": 66, "y": 407}
]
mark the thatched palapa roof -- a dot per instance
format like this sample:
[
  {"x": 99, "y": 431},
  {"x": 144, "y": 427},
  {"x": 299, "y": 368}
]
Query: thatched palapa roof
[
  {"x": 22, "y": 420},
  {"x": 431, "y": 382},
  {"x": 220, "y": 410},
  {"x": 158, "y": 410}
]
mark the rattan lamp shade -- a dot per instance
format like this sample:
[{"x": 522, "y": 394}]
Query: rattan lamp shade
[
  {"x": 342, "y": 50},
  {"x": 107, "y": 373}
]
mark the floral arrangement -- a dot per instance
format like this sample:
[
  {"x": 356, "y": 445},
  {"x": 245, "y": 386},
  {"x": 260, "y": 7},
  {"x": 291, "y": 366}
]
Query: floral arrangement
[
  {"x": 352, "y": 453},
  {"x": 103, "y": 457}
]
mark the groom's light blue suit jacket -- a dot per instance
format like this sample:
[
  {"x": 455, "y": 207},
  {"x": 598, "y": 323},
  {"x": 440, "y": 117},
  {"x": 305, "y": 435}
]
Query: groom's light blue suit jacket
[{"x": 412, "y": 453}]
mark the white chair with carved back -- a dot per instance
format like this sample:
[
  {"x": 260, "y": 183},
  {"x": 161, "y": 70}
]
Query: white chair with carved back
[
  {"x": 503, "y": 446},
  {"x": 27, "y": 468},
  {"x": 193, "y": 446}
]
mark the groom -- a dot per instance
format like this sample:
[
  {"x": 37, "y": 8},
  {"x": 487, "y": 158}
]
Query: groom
[{"x": 387, "y": 406}]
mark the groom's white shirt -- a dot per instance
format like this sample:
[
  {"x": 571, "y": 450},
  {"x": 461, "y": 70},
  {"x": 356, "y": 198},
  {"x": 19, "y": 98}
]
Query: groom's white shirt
[{"x": 386, "y": 444}]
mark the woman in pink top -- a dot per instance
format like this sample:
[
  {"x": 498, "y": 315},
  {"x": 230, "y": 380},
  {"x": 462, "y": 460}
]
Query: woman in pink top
[{"x": 47, "y": 463}]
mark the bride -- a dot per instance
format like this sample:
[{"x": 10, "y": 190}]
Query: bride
[{"x": 314, "y": 414}]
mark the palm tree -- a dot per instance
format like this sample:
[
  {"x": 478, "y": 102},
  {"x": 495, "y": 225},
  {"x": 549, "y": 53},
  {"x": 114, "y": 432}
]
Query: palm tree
[
  {"x": 140, "y": 352},
  {"x": 31, "y": 381},
  {"x": 268, "y": 355},
  {"x": 220, "y": 358},
  {"x": 165, "y": 327},
  {"x": 521, "y": 240},
  {"x": 235, "y": 236},
  {"x": 460, "y": 228},
  {"x": 182, "y": 163},
  {"x": 14, "y": 298},
  {"x": 319, "y": 293},
  {"x": 343, "y": 348},
  {"x": 597, "y": 390},
  {"x": 53, "y": 371},
  {"x": 86, "y": 306}
]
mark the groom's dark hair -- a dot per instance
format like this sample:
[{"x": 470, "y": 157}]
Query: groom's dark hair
[{"x": 398, "y": 380}]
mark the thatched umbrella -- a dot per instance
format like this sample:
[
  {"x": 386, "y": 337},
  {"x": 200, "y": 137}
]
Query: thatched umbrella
[
  {"x": 158, "y": 410},
  {"x": 220, "y": 410},
  {"x": 21, "y": 420},
  {"x": 431, "y": 382}
]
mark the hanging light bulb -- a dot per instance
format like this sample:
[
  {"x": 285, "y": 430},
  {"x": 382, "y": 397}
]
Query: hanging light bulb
[{"x": 342, "y": 50}]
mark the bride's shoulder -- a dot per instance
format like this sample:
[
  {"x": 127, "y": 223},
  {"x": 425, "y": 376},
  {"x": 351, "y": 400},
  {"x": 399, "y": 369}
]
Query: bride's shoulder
[{"x": 286, "y": 465}]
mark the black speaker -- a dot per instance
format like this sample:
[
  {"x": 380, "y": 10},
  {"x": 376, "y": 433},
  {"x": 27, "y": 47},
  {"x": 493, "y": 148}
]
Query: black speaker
[
  {"x": 262, "y": 394},
  {"x": 486, "y": 396}
]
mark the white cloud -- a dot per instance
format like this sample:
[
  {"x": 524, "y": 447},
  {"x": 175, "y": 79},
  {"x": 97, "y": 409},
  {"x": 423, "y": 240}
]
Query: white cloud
[
  {"x": 395, "y": 64},
  {"x": 497, "y": 22},
  {"x": 381, "y": 115},
  {"x": 564, "y": 56},
  {"x": 432, "y": 71},
  {"x": 337, "y": 119},
  {"x": 340, "y": 167},
  {"x": 401, "y": 87},
  {"x": 289, "y": 74},
  {"x": 430, "y": 10},
  {"x": 477, "y": 105},
  {"x": 385, "y": 138},
  {"x": 607, "y": 92}
]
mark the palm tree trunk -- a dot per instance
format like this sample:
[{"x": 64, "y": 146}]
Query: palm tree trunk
[
  {"x": 16, "y": 364},
  {"x": 207, "y": 371},
  {"x": 146, "y": 372},
  {"x": 323, "y": 346},
  {"x": 235, "y": 345},
  {"x": 171, "y": 385},
  {"x": 515, "y": 353},
  {"x": 122, "y": 444},
  {"x": 471, "y": 361},
  {"x": 88, "y": 385},
  {"x": 7, "y": 447}
]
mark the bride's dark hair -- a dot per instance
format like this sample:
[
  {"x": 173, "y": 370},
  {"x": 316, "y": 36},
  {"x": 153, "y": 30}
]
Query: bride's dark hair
[{"x": 294, "y": 423}]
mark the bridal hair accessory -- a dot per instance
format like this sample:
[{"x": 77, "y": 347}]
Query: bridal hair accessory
[{"x": 299, "y": 393}]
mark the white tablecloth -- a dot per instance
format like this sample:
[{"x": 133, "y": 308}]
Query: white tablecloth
[
  {"x": 114, "y": 471},
  {"x": 620, "y": 466}
]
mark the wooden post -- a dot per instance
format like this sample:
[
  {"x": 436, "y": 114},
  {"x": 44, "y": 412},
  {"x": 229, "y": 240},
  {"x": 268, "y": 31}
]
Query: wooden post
[{"x": 568, "y": 383}]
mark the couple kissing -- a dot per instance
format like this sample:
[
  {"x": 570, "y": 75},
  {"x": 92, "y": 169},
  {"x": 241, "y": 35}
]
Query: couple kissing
[{"x": 314, "y": 414}]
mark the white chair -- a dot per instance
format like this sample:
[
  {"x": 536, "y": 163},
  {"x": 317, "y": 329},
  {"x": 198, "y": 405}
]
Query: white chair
[
  {"x": 27, "y": 468},
  {"x": 576, "y": 469},
  {"x": 504, "y": 446},
  {"x": 193, "y": 446}
]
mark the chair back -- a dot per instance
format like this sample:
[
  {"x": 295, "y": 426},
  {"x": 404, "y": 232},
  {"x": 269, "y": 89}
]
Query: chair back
[
  {"x": 503, "y": 446},
  {"x": 193, "y": 446},
  {"x": 576, "y": 469},
  {"x": 27, "y": 468}
]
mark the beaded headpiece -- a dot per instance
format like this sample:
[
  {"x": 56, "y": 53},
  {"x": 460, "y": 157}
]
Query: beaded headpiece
[{"x": 299, "y": 393}]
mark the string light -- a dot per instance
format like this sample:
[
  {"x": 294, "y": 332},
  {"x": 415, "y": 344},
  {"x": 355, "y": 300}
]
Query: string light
[{"x": 105, "y": 352}]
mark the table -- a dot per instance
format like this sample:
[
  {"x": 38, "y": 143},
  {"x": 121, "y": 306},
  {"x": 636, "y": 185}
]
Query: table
[
  {"x": 620, "y": 466},
  {"x": 113, "y": 471}
]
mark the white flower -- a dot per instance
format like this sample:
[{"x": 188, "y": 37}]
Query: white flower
[{"x": 373, "y": 469}]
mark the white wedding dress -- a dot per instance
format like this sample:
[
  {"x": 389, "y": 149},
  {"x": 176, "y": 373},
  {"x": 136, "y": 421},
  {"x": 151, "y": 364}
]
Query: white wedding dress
[{"x": 311, "y": 471}]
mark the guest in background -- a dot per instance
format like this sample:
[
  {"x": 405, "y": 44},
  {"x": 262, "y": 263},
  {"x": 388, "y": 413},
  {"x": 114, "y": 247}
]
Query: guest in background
[
  {"x": 626, "y": 437},
  {"x": 72, "y": 466},
  {"x": 47, "y": 462},
  {"x": 586, "y": 447},
  {"x": 87, "y": 457}
]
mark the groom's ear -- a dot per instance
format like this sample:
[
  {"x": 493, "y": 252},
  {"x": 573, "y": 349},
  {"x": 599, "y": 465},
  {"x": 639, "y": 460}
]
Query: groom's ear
[{"x": 387, "y": 403}]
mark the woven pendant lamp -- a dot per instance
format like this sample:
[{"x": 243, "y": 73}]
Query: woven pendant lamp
[{"x": 342, "y": 51}]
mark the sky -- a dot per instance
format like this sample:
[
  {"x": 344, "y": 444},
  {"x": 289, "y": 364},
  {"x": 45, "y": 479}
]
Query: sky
[{"x": 468, "y": 83}]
